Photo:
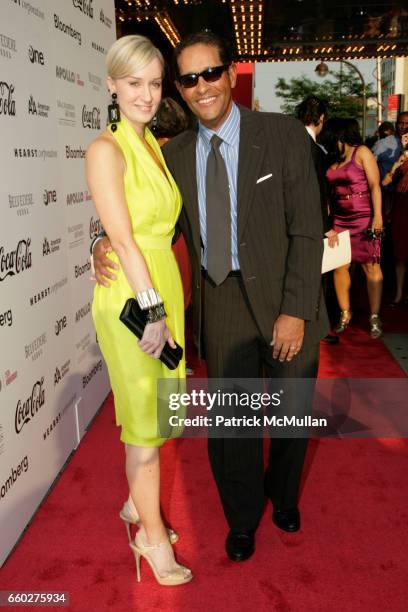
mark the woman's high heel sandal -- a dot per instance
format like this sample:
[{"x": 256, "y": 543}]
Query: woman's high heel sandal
[
  {"x": 179, "y": 575},
  {"x": 344, "y": 321},
  {"x": 130, "y": 518},
  {"x": 375, "y": 326}
]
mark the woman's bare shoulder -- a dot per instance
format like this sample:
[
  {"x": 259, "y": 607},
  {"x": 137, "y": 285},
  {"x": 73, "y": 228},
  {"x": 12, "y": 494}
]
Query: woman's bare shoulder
[{"x": 104, "y": 145}]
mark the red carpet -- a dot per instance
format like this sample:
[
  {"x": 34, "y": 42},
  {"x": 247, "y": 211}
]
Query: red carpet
[{"x": 351, "y": 554}]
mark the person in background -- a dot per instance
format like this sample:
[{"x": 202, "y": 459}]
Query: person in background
[
  {"x": 398, "y": 178},
  {"x": 356, "y": 196},
  {"x": 311, "y": 112},
  {"x": 138, "y": 203},
  {"x": 387, "y": 149}
]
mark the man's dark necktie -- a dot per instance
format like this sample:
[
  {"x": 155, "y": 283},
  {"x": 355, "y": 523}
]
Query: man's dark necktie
[{"x": 218, "y": 214}]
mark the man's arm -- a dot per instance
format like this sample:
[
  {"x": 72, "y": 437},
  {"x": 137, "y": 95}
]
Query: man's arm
[{"x": 304, "y": 227}]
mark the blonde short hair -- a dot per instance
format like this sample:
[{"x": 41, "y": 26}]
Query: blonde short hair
[{"x": 129, "y": 54}]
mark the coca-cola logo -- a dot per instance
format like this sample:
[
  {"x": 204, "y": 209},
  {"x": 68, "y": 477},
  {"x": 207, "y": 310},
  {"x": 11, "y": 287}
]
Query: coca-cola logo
[
  {"x": 35, "y": 56},
  {"x": 85, "y": 6},
  {"x": 28, "y": 408},
  {"x": 91, "y": 118},
  {"x": 7, "y": 103},
  {"x": 15, "y": 262},
  {"x": 95, "y": 227}
]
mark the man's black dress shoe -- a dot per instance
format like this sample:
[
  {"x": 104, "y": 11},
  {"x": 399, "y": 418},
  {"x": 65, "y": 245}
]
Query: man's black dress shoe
[
  {"x": 240, "y": 544},
  {"x": 287, "y": 520},
  {"x": 331, "y": 339}
]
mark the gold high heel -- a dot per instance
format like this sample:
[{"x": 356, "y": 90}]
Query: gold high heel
[
  {"x": 375, "y": 326},
  {"x": 130, "y": 518},
  {"x": 344, "y": 321},
  {"x": 179, "y": 575}
]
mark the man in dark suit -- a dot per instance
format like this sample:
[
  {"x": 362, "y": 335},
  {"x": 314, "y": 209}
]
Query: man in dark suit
[
  {"x": 311, "y": 112},
  {"x": 267, "y": 290}
]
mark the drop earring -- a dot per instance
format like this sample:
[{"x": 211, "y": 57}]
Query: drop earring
[
  {"x": 153, "y": 124},
  {"x": 113, "y": 113}
]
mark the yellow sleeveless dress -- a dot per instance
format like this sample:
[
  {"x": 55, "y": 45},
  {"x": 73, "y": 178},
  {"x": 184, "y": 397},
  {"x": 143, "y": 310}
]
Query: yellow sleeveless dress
[{"x": 154, "y": 204}]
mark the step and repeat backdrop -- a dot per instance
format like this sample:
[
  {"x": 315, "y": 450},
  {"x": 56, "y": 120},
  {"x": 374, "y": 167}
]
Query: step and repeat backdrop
[{"x": 53, "y": 101}]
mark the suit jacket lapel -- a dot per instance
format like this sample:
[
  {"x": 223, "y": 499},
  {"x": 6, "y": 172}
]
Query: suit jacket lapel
[{"x": 251, "y": 152}]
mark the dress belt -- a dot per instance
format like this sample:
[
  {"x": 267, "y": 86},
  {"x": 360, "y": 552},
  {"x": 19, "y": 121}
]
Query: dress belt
[
  {"x": 348, "y": 196},
  {"x": 156, "y": 243}
]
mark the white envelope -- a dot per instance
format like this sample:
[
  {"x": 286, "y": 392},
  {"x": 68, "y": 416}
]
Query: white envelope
[{"x": 339, "y": 255}]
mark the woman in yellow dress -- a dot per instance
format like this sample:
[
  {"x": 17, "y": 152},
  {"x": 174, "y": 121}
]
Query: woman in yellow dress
[{"x": 138, "y": 203}]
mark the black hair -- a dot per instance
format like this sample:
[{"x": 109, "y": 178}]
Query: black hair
[
  {"x": 205, "y": 37},
  {"x": 170, "y": 119},
  {"x": 310, "y": 110},
  {"x": 337, "y": 129}
]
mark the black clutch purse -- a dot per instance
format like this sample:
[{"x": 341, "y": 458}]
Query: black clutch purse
[{"x": 135, "y": 319}]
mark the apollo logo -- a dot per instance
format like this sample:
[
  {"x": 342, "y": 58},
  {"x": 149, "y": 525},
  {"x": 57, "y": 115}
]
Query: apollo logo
[
  {"x": 65, "y": 74},
  {"x": 82, "y": 312}
]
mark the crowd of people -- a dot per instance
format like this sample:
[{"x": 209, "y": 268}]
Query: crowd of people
[
  {"x": 252, "y": 194},
  {"x": 363, "y": 191}
]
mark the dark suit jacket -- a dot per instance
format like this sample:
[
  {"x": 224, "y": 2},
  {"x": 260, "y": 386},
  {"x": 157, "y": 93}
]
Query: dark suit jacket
[
  {"x": 320, "y": 163},
  {"x": 279, "y": 220}
]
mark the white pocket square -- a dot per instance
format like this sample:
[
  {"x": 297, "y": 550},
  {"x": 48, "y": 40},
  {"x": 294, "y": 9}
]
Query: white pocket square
[{"x": 263, "y": 178}]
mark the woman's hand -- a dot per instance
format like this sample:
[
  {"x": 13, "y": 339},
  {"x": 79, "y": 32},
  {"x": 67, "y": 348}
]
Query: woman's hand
[
  {"x": 377, "y": 223},
  {"x": 333, "y": 238},
  {"x": 155, "y": 337}
]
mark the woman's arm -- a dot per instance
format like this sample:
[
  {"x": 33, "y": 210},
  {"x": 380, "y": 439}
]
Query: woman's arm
[
  {"x": 389, "y": 177},
  {"x": 368, "y": 161},
  {"x": 105, "y": 168}
]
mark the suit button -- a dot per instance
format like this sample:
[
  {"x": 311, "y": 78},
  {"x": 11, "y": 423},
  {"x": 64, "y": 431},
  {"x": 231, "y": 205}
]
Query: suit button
[
  {"x": 242, "y": 244},
  {"x": 250, "y": 278},
  {"x": 197, "y": 286}
]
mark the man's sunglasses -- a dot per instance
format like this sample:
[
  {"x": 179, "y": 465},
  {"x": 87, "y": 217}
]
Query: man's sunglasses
[{"x": 210, "y": 75}]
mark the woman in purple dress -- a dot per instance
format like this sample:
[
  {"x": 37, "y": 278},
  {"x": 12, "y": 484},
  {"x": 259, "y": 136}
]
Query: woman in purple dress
[{"x": 356, "y": 206}]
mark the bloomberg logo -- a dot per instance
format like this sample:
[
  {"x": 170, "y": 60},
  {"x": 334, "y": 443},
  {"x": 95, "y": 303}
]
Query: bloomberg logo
[
  {"x": 88, "y": 377},
  {"x": 80, "y": 270},
  {"x": 21, "y": 468}
]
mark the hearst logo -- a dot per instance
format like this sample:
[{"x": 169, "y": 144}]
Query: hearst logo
[
  {"x": 77, "y": 197},
  {"x": 51, "y": 246},
  {"x": 31, "y": 153},
  {"x": 67, "y": 29},
  {"x": 7, "y": 46},
  {"x": 49, "y": 196},
  {"x": 82, "y": 312},
  {"x": 30, "y": 8},
  {"x": 37, "y": 108},
  {"x": 35, "y": 56},
  {"x": 35, "y": 349},
  {"x": 104, "y": 19},
  {"x": 85, "y": 6},
  {"x": 81, "y": 270},
  {"x": 7, "y": 102},
  {"x": 40, "y": 295},
  {"x": 91, "y": 118},
  {"x": 71, "y": 153},
  {"x": 99, "y": 48},
  {"x": 61, "y": 372},
  {"x": 15, "y": 262},
  {"x": 21, "y": 203},
  {"x": 58, "y": 418},
  {"x": 95, "y": 227},
  {"x": 27, "y": 409}
]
